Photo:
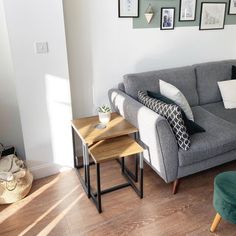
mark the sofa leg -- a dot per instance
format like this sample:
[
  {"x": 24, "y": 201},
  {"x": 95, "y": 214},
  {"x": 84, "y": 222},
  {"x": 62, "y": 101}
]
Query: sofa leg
[
  {"x": 215, "y": 222},
  {"x": 175, "y": 186}
]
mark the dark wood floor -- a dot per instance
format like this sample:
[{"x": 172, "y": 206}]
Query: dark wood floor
[{"x": 58, "y": 206}]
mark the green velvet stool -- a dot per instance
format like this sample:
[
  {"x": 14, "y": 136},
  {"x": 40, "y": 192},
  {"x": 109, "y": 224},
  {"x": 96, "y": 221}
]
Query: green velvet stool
[{"x": 224, "y": 198}]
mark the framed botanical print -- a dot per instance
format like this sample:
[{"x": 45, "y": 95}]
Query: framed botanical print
[
  {"x": 128, "y": 8},
  {"x": 187, "y": 10},
  {"x": 212, "y": 15}
]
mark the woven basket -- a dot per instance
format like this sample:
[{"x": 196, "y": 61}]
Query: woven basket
[{"x": 17, "y": 189}]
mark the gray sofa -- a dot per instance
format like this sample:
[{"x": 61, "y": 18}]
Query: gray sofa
[{"x": 199, "y": 85}]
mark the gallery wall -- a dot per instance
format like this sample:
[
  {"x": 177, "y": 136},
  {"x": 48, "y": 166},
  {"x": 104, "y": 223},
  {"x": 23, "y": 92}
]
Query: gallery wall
[
  {"x": 104, "y": 47},
  {"x": 10, "y": 124},
  {"x": 141, "y": 22}
]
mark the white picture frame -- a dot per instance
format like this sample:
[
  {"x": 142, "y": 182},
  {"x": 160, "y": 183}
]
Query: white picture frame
[
  {"x": 128, "y": 8},
  {"x": 167, "y": 18},
  {"x": 212, "y": 15},
  {"x": 232, "y": 7},
  {"x": 187, "y": 10}
]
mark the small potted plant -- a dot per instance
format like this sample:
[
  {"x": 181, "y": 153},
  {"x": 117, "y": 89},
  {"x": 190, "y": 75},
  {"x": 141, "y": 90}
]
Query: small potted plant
[{"x": 104, "y": 114}]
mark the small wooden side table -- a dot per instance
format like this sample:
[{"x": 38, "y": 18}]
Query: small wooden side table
[
  {"x": 111, "y": 149},
  {"x": 85, "y": 128}
]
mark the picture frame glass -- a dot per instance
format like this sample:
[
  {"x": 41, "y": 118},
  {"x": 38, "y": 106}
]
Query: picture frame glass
[
  {"x": 187, "y": 10},
  {"x": 167, "y": 18},
  {"x": 212, "y": 16},
  {"x": 128, "y": 8},
  {"x": 232, "y": 7}
]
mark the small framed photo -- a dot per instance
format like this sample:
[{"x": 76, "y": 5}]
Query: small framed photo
[
  {"x": 167, "y": 18},
  {"x": 212, "y": 15},
  {"x": 187, "y": 10},
  {"x": 232, "y": 7},
  {"x": 128, "y": 8}
]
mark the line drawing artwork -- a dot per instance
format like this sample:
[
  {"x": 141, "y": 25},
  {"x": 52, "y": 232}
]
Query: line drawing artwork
[
  {"x": 128, "y": 5},
  {"x": 128, "y": 8},
  {"x": 187, "y": 9},
  {"x": 213, "y": 16},
  {"x": 232, "y": 7}
]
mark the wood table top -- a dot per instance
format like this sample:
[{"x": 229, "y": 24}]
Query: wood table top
[
  {"x": 110, "y": 149},
  {"x": 86, "y": 128}
]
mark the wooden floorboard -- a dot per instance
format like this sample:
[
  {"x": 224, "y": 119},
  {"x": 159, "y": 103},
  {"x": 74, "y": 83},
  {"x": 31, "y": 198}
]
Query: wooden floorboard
[{"x": 58, "y": 206}]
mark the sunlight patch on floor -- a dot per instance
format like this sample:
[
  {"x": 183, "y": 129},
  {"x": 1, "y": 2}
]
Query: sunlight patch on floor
[
  {"x": 12, "y": 209},
  {"x": 54, "y": 222},
  {"x": 47, "y": 212}
]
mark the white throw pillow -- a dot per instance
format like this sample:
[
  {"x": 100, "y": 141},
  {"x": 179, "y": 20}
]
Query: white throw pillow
[
  {"x": 171, "y": 92},
  {"x": 228, "y": 93}
]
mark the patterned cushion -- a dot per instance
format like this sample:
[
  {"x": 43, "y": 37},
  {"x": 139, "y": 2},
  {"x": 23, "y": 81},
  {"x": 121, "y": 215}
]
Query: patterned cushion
[{"x": 173, "y": 115}]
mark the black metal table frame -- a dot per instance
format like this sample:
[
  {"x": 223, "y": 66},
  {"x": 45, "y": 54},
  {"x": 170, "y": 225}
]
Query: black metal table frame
[
  {"x": 85, "y": 181},
  {"x": 96, "y": 196}
]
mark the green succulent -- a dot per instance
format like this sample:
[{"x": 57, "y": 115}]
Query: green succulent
[{"x": 104, "y": 109}]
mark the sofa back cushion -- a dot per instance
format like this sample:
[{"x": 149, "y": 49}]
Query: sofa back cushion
[
  {"x": 183, "y": 78},
  {"x": 208, "y": 74}
]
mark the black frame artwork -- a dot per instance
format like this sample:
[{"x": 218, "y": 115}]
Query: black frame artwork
[
  {"x": 201, "y": 15},
  {"x": 229, "y": 11},
  {"x": 180, "y": 10},
  {"x": 127, "y": 15},
  {"x": 173, "y": 17}
]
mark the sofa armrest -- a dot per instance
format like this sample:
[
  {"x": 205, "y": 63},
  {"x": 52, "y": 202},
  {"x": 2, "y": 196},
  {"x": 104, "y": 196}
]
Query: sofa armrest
[{"x": 155, "y": 133}]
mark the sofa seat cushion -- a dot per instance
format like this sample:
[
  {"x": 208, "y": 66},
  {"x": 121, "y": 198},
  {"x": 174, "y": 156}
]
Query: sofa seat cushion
[
  {"x": 220, "y": 137},
  {"x": 219, "y": 110}
]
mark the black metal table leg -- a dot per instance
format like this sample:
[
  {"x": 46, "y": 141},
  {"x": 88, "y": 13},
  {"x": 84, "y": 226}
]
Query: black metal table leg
[
  {"x": 99, "y": 204},
  {"x": 87, "y": 168},
  {"x": 133, "y": 176},
  {"x": 84, "y": 164},
  {"x": 74, "y": 152},
  {"x": 136, "y": 137},
  {"x": 122, "y": 164},
  {"x": 141, "y": 183},
  {"x": 85, "y": 182},
  {"x": 136, "y": 169},
  {"x": 141, "y": 174}
]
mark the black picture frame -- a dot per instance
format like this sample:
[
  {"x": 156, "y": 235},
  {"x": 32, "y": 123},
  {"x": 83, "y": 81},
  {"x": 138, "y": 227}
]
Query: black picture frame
[
  {"x": 120, "y": 15},
  {"x": 229, "y": 12},
  {"x": 173, "y": 17},
  {"x": 201, "y": 15},
  {"x": 180, "y": 10}
]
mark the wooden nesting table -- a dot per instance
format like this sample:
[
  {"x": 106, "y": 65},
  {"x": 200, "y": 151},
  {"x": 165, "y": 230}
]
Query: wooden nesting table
[{"x": 112, "y": 142}]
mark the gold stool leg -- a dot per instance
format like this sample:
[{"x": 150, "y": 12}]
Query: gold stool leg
[{"x": 215, "y": 222}]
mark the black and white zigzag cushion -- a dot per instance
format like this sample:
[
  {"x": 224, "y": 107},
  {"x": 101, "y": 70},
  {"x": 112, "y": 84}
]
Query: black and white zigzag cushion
[{"x": 173, "y": 115}]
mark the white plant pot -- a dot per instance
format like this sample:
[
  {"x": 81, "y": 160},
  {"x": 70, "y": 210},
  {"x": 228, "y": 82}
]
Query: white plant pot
[{"x": 104, "y": 118}]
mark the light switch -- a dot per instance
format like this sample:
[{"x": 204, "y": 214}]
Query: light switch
[{"x": 41, "y": 47}]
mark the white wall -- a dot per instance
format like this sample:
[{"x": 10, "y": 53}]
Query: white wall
[
  {"x": 10, "y": 125},
  {"x": 102, "y": 48},
  {"x": 42, "y": 82},
  {"x": 78, "y": 36}
]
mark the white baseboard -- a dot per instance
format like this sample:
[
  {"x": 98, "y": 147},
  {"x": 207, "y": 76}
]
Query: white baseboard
[{"x": 44, "y": 169}]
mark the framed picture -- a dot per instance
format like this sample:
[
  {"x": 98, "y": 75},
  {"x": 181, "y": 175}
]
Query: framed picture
[
  {"x": 128, "y": 8},
  {"x": 167, "y": 18},
  {"x": 187, "y": 10},
  {"x": 232, "y": 7},
  {"x": 212, "y": 15}
]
